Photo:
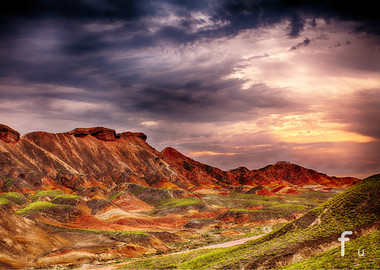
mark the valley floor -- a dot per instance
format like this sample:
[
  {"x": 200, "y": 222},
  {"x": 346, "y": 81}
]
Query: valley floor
[
  {"x": 113, "y": 265},
  {"x": 142, "y": 227}
]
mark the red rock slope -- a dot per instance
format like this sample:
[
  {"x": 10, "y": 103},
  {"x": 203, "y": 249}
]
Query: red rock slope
[
  {"x": 281, "y": 173},
  {"x": 299, "y": 176}
]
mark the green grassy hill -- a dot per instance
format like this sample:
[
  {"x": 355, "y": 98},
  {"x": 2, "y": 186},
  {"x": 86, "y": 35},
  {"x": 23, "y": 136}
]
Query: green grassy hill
[
  {"x": 368, "y": 245},
  {"x": 301, "y": 241}
]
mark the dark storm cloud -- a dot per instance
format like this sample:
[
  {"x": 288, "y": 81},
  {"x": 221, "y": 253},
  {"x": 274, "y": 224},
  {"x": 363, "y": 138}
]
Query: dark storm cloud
[
  {"x": 238, "y": 14},
  {"x": 76, "y": 9},
  {"x": 245, "y": 14},
  {"x": 195, "y": 102},
  {"x": 229, "y": 18}
]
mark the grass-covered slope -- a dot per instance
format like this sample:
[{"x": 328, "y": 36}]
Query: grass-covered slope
[
  {"x": 14, "y": 197},
  {"x": 35, "y": 207},
  {"x": 368, "y": 245},
  {"x": 357, "y": 210}
]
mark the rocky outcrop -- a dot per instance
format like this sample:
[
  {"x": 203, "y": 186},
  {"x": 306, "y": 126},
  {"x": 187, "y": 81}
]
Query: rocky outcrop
[
  {"x": 132, "y": 134},
  {"x": 8, "y": 135},
  {"x": 101, "y": 133},
  {"x": 104, "y": 134}
]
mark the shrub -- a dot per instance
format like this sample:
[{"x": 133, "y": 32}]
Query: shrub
[
  {"x": 49, "y": 193},
  {"x": 15, "y": 197},
  {"x": 4, "y": 200},
  {"x": 36, "y": 206},
  {"x": 179, "y": 202}
]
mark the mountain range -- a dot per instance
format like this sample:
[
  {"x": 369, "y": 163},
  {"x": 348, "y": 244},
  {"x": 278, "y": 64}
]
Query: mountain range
[{"x": 100, "y": 156}]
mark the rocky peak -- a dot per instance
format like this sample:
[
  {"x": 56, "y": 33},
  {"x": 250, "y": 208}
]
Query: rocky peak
[
  {"x": 283, "y": 164},
  {"x": 170, "y": 151},
  {"x": 101, "y": 133},
  {"x": 173, "y": 154},
  {"x": 8, "y": 135}
]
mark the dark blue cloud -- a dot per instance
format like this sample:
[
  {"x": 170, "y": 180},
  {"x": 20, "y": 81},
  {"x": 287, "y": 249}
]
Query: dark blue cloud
[
  {"x": 240, "y": 14},
  {"x": 76, "y": 9},
  {"x": 247, "y": 14},
  {"x": 213, "y": 101}
]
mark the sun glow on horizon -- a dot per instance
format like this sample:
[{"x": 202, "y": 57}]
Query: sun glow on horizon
[
  {"x": 209, "y": 153},
  {"x": 312, "y": 128}
]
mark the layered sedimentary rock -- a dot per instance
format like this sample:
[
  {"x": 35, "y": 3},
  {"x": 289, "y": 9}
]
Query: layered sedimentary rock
[
  {"x": 8, "y": 135},
  {"x": 100, "y": 133}
]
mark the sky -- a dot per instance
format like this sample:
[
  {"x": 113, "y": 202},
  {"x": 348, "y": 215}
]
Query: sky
[{"x": 226, "y": 82}]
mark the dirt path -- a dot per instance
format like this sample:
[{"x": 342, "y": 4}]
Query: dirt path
[{"x": 226, "y": 244}]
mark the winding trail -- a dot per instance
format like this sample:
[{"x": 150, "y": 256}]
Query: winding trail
[{"x": 222, "y": 245}]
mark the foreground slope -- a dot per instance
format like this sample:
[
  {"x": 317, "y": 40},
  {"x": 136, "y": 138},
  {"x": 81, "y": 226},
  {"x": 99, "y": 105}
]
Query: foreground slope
[
  {"x": 368, "y": 246},
  {"x": 32, "y": 242},
  {"x": 316, "y": 232},
  {"x": 25, "y": 243}
]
